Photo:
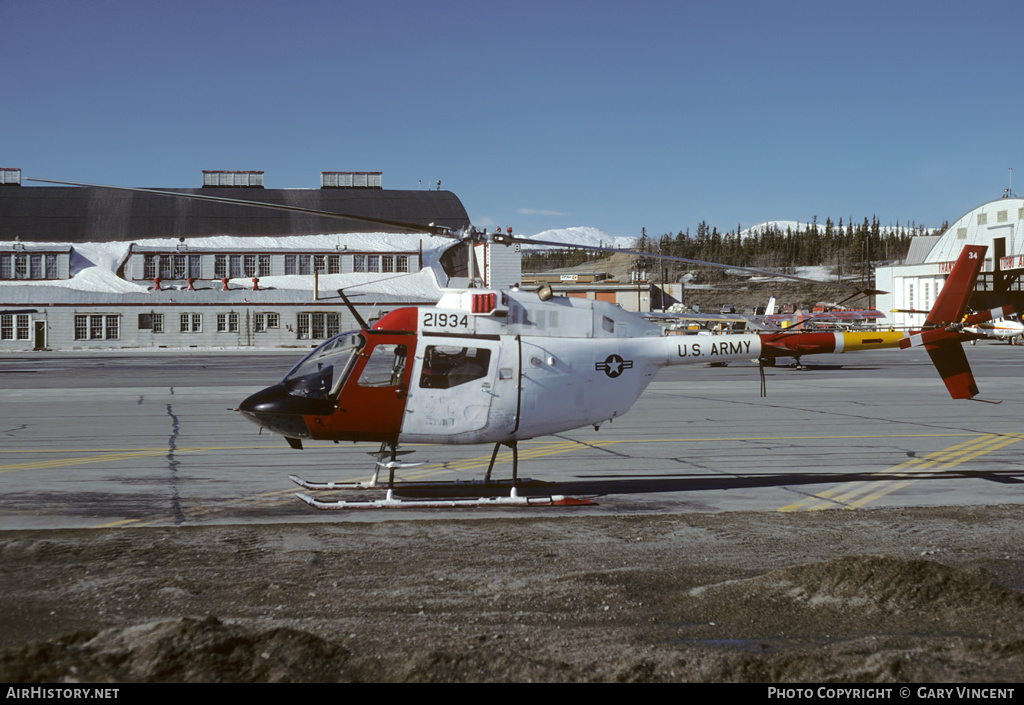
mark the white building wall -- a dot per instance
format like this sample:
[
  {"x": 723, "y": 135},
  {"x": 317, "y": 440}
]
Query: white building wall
[{"x": 60, "y": 322}]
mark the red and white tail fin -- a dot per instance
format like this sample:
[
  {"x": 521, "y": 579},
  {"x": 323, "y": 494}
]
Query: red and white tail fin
[
  {"x": 941, "y": 333},
  {"x": 951, "y": 303}
]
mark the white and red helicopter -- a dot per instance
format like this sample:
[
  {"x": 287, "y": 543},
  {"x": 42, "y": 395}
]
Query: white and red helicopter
[{"x": 499, "y": 367}]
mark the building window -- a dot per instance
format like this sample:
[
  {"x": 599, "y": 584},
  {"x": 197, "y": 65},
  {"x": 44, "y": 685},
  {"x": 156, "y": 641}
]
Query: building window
[
  {"x": 14, "y": 326},
  {"x": 236, "y": 266},
  {"x": 387, "y": 263},
  {"x": 265, "y": 321},
  {"x": 264, "y": 270},
  {"x": 402, "y": 264},
  {"x": 111, "y": 325},
  {"x": 334, "y": 264},
  {"x": 250, "y": 265},
  {"x": 191, "y": 322},
  {"x": 305, "y": 264},
  {"x": 289, "y": 264},
  {"x": 153, "y": 322},
  {"x": 96, "y": 326},
  {"x": 227, "y": 322},
  {"x": 358, "y": 263},
  {"x": 1002, "y": 216},
  {"x": 318, "y": 326},
  {"x": 961, "y": 233},
  {"x": 28, "y": 266},
  {"x": 220, "y": 266},
  {"x": 982, "y": 218}
]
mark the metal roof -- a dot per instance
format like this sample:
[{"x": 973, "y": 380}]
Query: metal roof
[
  {"x": 84, "y": 214},
  {"x": 1002, "y": 217},
  {"x": 920, "y": 246}
]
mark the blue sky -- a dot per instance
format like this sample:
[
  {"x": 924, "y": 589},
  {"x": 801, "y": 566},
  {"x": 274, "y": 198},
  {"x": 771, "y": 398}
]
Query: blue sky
[{"x": 538, "y": 115}]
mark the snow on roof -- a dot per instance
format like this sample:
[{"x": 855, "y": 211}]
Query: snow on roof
[{"x": 94, "y": 267}]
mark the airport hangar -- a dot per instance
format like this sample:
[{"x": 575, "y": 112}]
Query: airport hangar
[
  {"x": 913, "y": 285},
  {"x": 182, "y": 273}
]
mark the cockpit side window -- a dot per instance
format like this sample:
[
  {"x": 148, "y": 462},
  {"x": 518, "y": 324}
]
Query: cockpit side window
[
  {"x": 447, "y": 366},
  {"x": 385, "y": 366},
  {"x": 321, "y": 373}
]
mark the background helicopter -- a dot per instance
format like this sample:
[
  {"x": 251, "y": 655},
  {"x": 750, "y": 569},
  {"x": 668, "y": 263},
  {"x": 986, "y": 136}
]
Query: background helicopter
[{"x": 498, "y": 367}]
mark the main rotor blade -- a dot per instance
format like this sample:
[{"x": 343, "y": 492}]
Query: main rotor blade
[
  {"x": 426, "y": 229},
  {"x": 671, "y": 258}
]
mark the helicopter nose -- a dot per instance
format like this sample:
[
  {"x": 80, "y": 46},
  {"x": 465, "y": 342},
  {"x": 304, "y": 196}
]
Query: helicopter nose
[{"x": 276, "y": 410}]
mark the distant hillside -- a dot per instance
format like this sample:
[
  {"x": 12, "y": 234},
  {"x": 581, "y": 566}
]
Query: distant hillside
[{"x": 778, "y": 246}]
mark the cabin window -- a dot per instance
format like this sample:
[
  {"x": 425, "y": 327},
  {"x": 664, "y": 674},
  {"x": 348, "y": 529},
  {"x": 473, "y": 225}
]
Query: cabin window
[{"x": 447, "y": 366}]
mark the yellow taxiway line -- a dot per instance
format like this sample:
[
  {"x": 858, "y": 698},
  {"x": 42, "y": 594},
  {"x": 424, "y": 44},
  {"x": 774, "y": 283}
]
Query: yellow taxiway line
[{"x": 852, "y": 495}]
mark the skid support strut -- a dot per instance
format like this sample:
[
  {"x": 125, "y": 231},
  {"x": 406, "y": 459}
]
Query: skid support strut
[
  {"x": 390, "y": 450},
  {"x": 514, "y": 445}
]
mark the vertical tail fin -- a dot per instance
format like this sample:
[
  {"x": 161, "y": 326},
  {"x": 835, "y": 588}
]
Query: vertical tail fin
[
  {"x": 941, "y": 333},
  {"x": 951, "y": 303}
]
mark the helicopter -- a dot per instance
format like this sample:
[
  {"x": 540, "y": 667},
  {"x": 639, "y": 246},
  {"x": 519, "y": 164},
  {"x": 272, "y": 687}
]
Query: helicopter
[{"x": 498, "y": 367}]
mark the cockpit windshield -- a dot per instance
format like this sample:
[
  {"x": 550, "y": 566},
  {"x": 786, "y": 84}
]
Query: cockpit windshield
[{"x": 321, "y": 373}]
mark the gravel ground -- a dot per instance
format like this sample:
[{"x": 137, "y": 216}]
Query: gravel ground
[{"x": 914, "y": 595}]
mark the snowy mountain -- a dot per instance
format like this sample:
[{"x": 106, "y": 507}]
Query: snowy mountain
[{"x": 591, "y": 237}]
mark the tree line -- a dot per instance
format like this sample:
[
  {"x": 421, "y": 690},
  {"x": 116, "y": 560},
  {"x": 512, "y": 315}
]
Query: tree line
[{"x": 842, "y": 244}]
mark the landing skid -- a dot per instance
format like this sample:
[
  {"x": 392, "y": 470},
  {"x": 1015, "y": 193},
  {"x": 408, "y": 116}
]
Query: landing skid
[
  {"x": 510, "y": 487},
  {"x": 425, "y": 485},
  {"x": 390, "y": 502}
]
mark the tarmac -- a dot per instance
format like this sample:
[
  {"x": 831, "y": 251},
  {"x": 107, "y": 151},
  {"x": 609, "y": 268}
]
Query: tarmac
[{"x": 105, "y": 439}]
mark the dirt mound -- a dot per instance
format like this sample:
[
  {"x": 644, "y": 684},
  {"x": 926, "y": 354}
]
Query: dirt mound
[
  {"x": 178, "y": 650},
  {"x": 510, "y": 600},
  {"x": 857, "y": 595},
  {"x": 892, "y": 585}
]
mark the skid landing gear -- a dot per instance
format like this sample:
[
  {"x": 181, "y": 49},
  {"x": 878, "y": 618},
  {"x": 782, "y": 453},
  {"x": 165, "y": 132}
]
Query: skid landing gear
[{"x": 387, "y": 457}]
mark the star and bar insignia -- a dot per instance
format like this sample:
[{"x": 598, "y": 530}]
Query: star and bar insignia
[{"x": 613, "y": 365}]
